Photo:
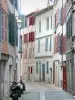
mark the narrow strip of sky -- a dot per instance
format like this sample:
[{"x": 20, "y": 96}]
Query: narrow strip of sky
[{"x": 28, "y": 6}]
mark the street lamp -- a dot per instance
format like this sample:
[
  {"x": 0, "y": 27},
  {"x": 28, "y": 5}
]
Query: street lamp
[{"x": 19, "y": 23}]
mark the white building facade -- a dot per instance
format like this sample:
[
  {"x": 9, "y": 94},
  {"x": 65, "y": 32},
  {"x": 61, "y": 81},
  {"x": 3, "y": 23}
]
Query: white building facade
[
  {"x": 59, "y": 46},
  {"x": 44, "y": 45}
]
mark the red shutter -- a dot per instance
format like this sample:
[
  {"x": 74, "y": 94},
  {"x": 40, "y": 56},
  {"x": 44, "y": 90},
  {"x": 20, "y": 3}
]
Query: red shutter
[
  {"x": 32, "y": 36},
  {"x": 58, "y": 36},
  {"x": 33, "y": 20},
  {"x": 64, "y": 44},
  {"x": 29, "y": 37},
  {"x": 31, "y": 69},
  {"x": 55, "y": 44},
  {"x": 64, "y": 14},
  {"x": 24, "y": 38}
]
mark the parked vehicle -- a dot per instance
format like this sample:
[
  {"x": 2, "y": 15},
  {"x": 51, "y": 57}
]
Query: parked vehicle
[{"x": 15, "y": 91}]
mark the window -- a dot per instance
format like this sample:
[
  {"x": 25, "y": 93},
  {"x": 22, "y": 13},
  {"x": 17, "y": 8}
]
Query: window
[
  {"x": 39, "y": 45},
  {"x": 51, "y": 22},
  {"x": 30, "y": 53},
  {"x": 47, "y": 24},
  {"x": 25, "y": 53},
  {"x": 36, "y": 67},
  {"x": 33, "y": 52},
  {"x": 46, "y": 45},
  {"x": 47, "y": 66},
  {"x": 50, "y": 44},
  {"x": 39, "y": 26}
]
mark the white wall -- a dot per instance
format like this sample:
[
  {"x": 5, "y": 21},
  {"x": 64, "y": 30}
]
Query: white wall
[
  {"x": 43, "y": 17},
  {"x": 43, "y": 34},
  {"x": 57, "y": 56},
  {"x": 42, "y": 47},
  {"x": 43, "y": 56},
  {"x": 47, "y": 76}
]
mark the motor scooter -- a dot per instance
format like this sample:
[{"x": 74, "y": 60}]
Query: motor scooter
[{"x": 15, "y": 91}]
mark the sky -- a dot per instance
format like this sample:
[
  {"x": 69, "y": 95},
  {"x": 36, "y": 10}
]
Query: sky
[{"x": 28, "y": 6}]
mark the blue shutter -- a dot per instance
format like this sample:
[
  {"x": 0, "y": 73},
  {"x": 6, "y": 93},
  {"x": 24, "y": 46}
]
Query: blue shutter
[
  {"x": 36, "y": 67},
  {"x": 39, "y": 45},
  {"x": 46, "y": 45},
  {"x": 50, "y": 43},
  {"x": 39, "y": 26},
  {"x": 47, "y": 66}
]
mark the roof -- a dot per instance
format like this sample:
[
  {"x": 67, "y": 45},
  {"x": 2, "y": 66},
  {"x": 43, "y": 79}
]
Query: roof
[
  {"x": 43, "y": 11},
  {"x": 29, "y": 14},
  {"x": 32, "y": 13}
]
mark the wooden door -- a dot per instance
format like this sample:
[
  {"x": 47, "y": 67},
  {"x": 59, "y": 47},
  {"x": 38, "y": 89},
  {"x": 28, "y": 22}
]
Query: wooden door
[{"x": 64, "y": 78}]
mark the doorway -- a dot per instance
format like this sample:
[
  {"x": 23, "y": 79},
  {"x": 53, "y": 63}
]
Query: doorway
[
  {"x": 64, "y": 78},
  {"x": 29, "y": 73},
  {"x": 54, "y": 73},
  {"x": 51, "y": 74},
  {"x": 43, "y": 72}
]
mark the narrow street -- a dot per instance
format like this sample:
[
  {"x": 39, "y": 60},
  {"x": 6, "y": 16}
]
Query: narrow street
[{"x": 43, "y": 91}]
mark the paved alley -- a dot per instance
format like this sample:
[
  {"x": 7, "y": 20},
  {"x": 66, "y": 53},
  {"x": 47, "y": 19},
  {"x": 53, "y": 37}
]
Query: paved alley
[{"x": 43, "y": 91}]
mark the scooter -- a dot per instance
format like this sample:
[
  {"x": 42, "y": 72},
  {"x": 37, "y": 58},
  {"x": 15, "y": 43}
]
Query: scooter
[{"x": 15, "y": 91}]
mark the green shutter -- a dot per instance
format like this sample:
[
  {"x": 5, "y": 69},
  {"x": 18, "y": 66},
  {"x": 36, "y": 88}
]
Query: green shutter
[{"x": 13, "y": 33}]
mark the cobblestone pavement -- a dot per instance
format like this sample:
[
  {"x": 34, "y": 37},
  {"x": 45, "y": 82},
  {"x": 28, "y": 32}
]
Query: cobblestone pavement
[{"x": 42, "y": 91}]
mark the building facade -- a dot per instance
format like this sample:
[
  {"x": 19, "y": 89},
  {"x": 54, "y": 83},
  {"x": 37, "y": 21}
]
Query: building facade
[
  {"x": 70, "y": 54},
  {"x": 8, "y": 43},
  {"x": 28, "y": 60},
  {"x": 59, "y": 19},
  {"x": 43, "y": 45}
]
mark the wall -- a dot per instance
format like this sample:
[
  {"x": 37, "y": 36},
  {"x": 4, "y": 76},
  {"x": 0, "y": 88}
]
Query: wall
[
  {"x": 42, "y": 46},
  {"x": 27, "y": 61},
  {"x": 48, "y": 77},
  {"x": 43, "y": 56},
  {"x": 58, "y": 30}
]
